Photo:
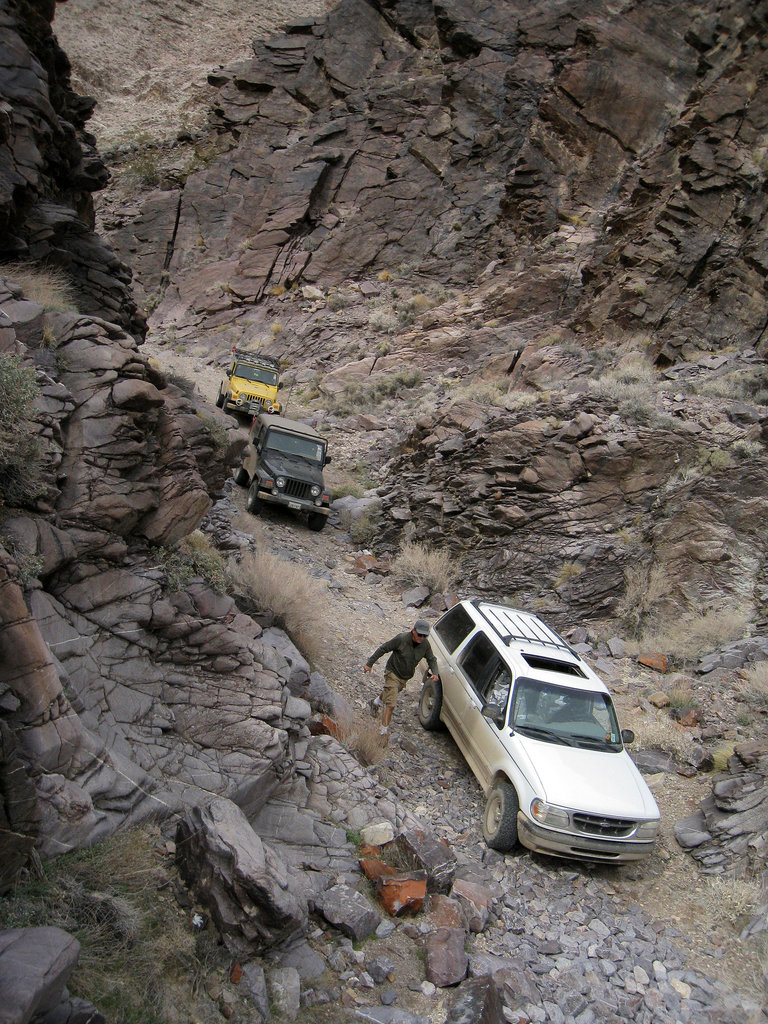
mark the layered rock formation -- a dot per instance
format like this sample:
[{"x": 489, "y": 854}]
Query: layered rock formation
[{"x": 49, "y": 167}]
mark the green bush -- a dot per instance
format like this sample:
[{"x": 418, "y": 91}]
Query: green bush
[
  {"x": 194, "y": 556},
  {"x": 20, "y": 478}
]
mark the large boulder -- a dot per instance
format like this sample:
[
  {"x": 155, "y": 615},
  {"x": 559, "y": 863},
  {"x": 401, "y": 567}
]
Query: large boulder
[{"x": 237, "y": 878}]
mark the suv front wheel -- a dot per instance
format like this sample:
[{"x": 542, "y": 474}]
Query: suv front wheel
[
  {"x": 500, "y": 817},
  {"x": 430, "y": 703},
  {"x": 316, "y": 521}
]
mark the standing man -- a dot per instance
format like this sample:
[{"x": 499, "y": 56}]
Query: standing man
[{"x": 407, "y": 649}]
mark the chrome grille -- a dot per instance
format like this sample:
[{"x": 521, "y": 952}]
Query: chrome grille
[{"x": 608, "y": 828}]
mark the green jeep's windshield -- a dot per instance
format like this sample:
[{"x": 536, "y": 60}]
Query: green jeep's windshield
[
  {"x": 255, "y": 373},
  {"x": 557, "y": 714},
  {"x": 293, "y": 444}
]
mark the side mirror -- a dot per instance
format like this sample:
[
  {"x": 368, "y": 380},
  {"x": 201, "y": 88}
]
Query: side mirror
[
  {"x": 494, "y": 713},
  {"x": 627, "y": 736}
]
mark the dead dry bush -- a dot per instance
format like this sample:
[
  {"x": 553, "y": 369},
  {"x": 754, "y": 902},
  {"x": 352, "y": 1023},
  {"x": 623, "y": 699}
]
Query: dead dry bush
[
  {"x": 752, "y": 685},
  {"x": 286, "y": 589},
  {"x": 688, "y": 637},
  {"x": 660, "y": 733},
  {"x": 139, "y": 955},
  {"x": 362, "y": 737},
  {"x": 419, "y": 565},
  {"x": 49, "y": 286}
]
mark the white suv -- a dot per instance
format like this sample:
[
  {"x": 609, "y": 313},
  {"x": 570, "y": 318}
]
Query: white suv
[{"x": 539, "y": 730}]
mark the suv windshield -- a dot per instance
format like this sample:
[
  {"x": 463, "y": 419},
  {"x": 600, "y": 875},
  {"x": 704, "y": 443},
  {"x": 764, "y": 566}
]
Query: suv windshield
[
  {"x": 292, "y": 444},
  {"x": 255, "y": 373},
  {"x": 556, "y": 714}
]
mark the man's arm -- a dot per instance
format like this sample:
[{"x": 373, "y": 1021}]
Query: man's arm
[
  {"x": 429, "y": 655},
  {"x": 384, "y": 649}
]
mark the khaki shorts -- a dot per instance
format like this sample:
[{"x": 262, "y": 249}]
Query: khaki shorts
[{"x": 393, "y": 685}]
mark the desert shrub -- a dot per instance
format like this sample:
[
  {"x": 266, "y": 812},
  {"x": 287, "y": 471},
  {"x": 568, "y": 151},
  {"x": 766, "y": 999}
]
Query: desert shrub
[
  {"x": 364, "y": 529},
  {"x": 218, "y": 433},
  {"x": 48, "y": 286},
  {"x": 29, "y": 564},
  {"x": 194, "y": 556},
  {"x": 687, "y": 636},
  {"x": 20, "y": 472},
  {"x": 746, "y": 450},
  {"x": 645, "y": 587},
  {"x": 358, "y": 397},
  {"x": 419, "y": 564},
  {"x": 743, "y": 385},
  {"x": 362, "y": 737},
  {"x": 732, "y": 900},
  {"x": 286, "y": 589},
  {"x": 568, "y": 570},
  {"x": 659, "y": 732},
  {"x": 137, "y": 949},
  {"x": 752, "y": 686},
  {"x": 382, "y": 321}
]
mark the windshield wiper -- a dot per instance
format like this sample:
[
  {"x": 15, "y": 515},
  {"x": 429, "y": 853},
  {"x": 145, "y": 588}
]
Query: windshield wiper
[{"x": 545, "y": 734}]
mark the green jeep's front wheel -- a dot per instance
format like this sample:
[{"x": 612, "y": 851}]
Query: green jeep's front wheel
[
  {"x": 316, "y": 521},
  {"x": 253, "y": 502}
]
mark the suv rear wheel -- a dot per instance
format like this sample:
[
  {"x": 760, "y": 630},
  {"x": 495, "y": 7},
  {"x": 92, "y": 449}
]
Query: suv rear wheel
[
  {"x": 500, "y": 817},
  {"x": 430, "y": 703}
]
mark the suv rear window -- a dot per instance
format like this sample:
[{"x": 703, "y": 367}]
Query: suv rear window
[{"x": 454, "y": 627}]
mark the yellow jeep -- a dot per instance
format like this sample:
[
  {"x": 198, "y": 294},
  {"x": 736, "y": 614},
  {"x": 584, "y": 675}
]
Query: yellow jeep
[{"x": 251, "y": 384}]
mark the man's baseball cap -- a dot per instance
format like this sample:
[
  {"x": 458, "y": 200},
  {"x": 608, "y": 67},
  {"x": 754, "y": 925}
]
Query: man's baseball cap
[{"x": 421, "y": 626}]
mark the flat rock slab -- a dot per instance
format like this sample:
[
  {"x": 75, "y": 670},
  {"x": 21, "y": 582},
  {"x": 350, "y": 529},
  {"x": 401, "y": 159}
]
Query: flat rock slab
[{"x": 349, "y": 911}]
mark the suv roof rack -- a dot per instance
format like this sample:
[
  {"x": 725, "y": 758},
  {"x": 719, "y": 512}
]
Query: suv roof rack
[{"x": 511, "y": 624}]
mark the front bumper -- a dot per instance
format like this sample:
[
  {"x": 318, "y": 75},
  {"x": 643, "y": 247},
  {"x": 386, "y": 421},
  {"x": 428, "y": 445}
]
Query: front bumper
[
  {"x": 295, "y": 504},
  {"x": 569, "y": 844}
]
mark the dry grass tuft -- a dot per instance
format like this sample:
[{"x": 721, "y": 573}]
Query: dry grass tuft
[
  {"x": 139, "y": 954},
  {"x": 689, "y": 636},
  {"x": 362, "y": 737},
  {"x": 419, "y": 565},
  {"x": 661, "y": 733},
  {"x": 732, "y": 900},
  {"x": 752, "y": 685},
  {"x": 48, "y": 286},
  {"x": 287, "y": 590},
  {"x": 645, "y": 587}
]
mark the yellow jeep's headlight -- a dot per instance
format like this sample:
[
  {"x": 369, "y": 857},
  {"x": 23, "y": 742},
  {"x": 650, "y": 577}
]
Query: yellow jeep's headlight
[{"x": 552, "y": 817}]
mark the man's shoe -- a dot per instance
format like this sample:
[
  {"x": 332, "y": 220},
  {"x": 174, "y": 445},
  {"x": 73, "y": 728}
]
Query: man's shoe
[
  {"x": 384, "y": 735},
  {"x": 375, "y": 705}
]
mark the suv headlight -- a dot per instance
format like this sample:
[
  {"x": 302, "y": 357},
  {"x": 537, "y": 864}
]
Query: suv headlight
[
  {"x": 552, "y": 817},
  {"x": 280, "y": 482},
  {"x": 314, "y": 491},
  {"x": 648, "y": 829}
]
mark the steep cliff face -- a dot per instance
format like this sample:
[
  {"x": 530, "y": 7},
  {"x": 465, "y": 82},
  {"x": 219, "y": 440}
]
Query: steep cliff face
[
  {"x": 576, "y": 196},
  {"x": 121, "y": 695},
  {"x": 49, "y": 167},
  {"x": 612, "y": 158}
]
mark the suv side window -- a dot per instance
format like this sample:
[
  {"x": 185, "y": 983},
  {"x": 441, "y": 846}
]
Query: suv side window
[
  {"x": 454, "y": 627},
  {"x": 477, "y": 661}
]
